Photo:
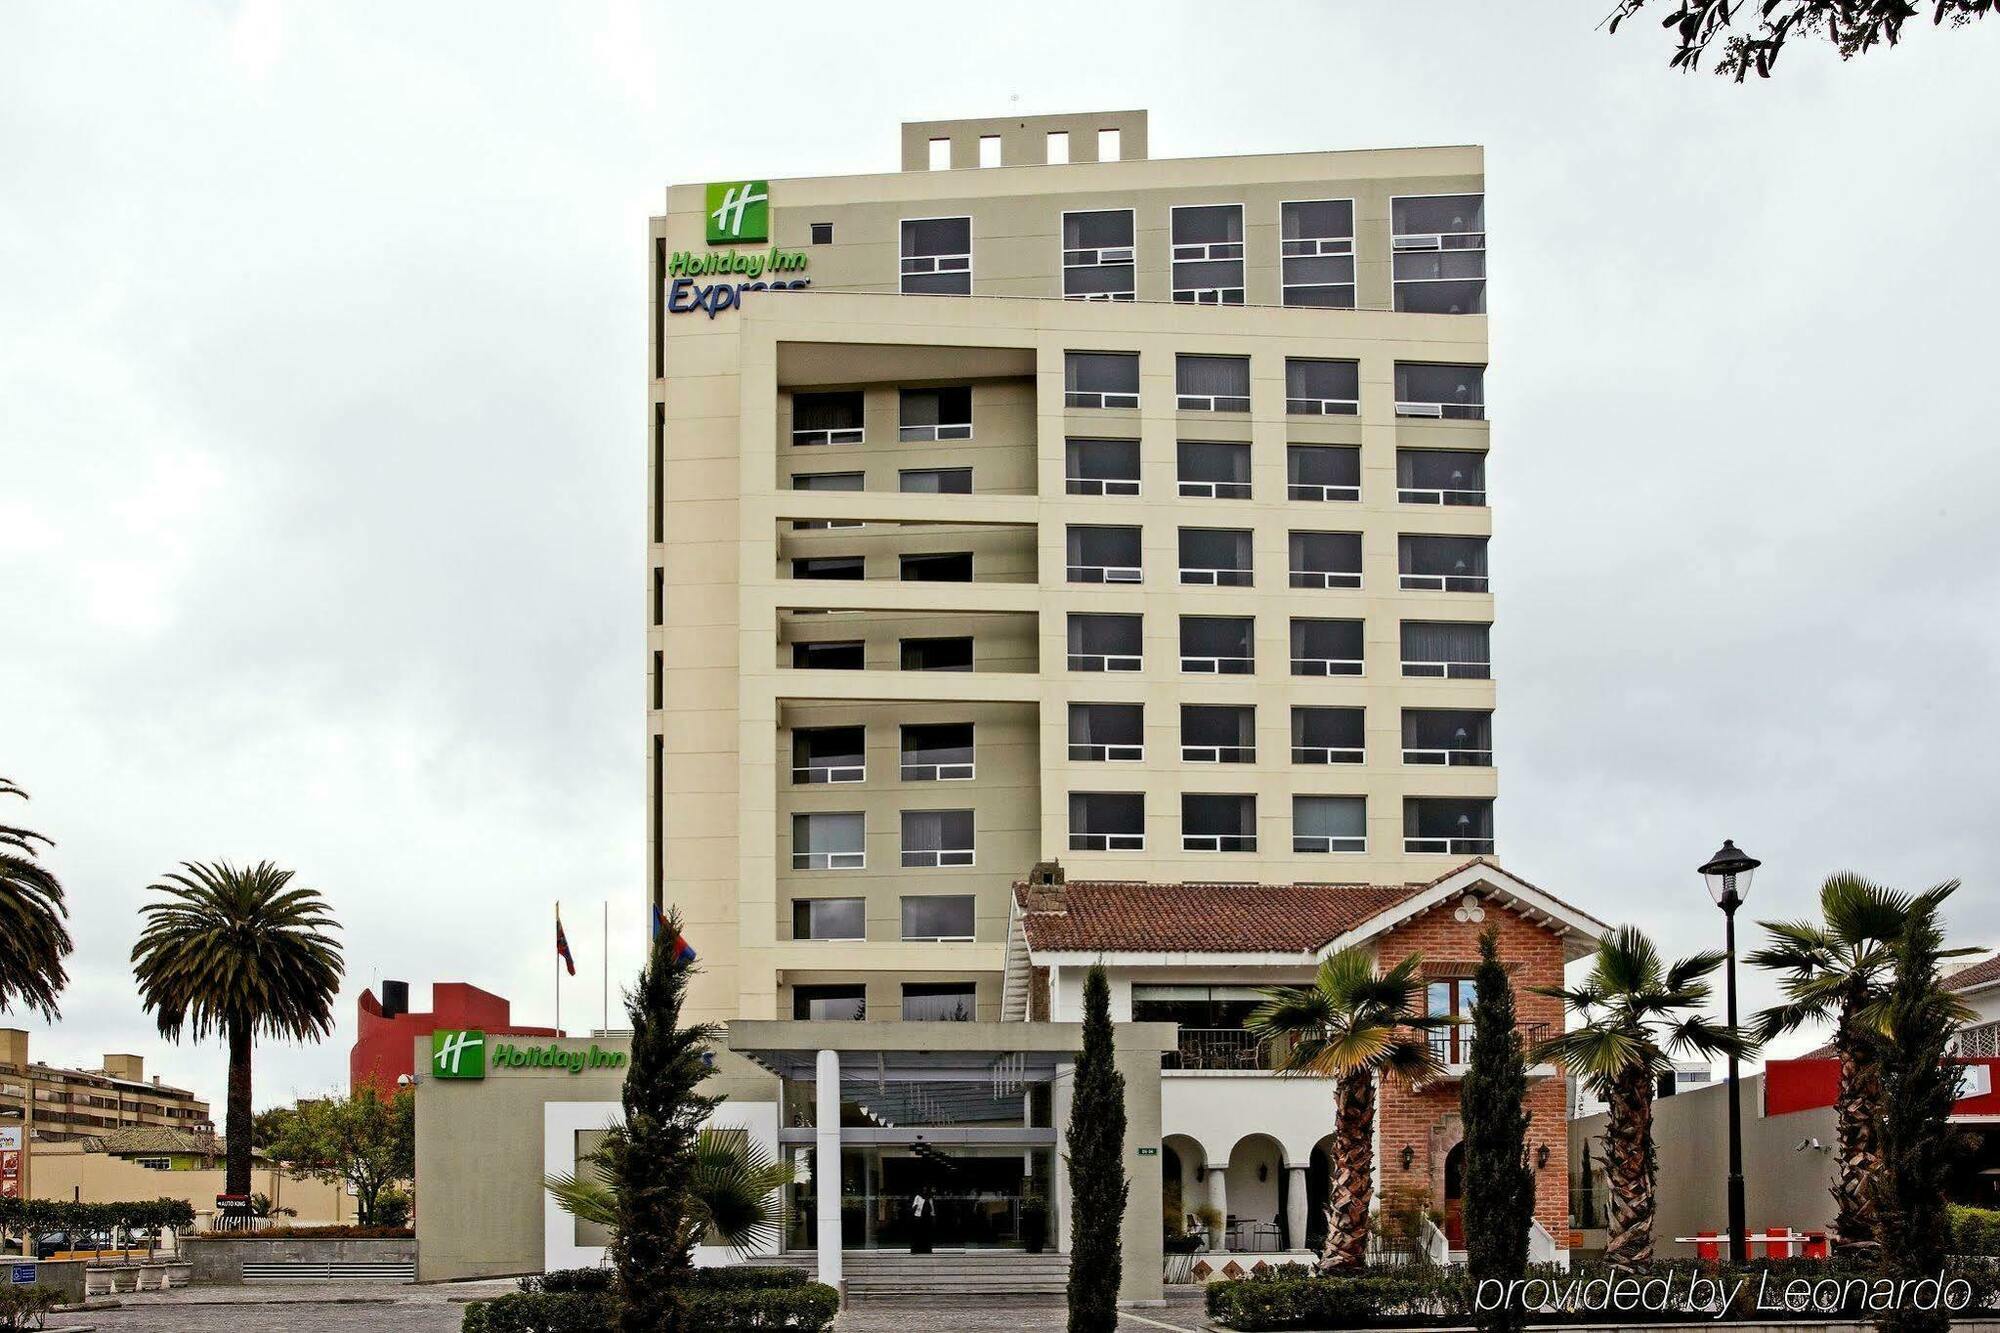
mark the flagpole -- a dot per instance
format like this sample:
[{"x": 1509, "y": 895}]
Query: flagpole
[
  {"x": 604, "y": 1023},
  {"x": 559, "y": 969}
]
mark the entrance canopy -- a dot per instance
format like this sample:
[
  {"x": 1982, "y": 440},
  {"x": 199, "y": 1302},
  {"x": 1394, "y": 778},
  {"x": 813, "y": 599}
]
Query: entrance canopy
[{"x": 928, "y": 1052}]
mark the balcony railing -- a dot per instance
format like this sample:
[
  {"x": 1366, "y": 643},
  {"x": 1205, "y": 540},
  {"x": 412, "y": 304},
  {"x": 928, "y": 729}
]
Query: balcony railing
[
  {"x": 1218, "y": 842},
  {"x": 1453, "y": 1045},
  {"x": 937, "y": 772},
  {"x": 937, "y": 857},
  {"x": 1101, "y": 485},
  {"x": 1450, "y": 846},
  {"x": 1460, "y": 758},
  {"x": 1106, "y": 574},
  {"x": 1097, "y": 398},
  {"x": 1326, "y": 666},
  {"x": 1449, "y": 670},
  {"x": 831, "y": 435},
  {"x": 1107, "y": 842},
  {"x": 829, "y": 860},
  {"x": 1217, "y": 578},
  {"x": 1215, "y": 490},
  {"x": 1097, "y": 754},
  {"x": 1326, "y": 578},
  {"x": 1218, "y": 754},
  {"x": 951, "y": 430},
  {"x": 818, "y": 773},
  {"x": 1302, "y": 490},
  {"x": 1326, "y": 754},
  {"x": 1425, "y": 495},
  {"x": 1444, "y": 582},
  {"x": 1104, "y": 661},
  {"x": 1445, "y": 411},
  {"x": 1211, "y": 402},
  {"x": 1217, "y": 666},
  {"x": 1218, "y": 1049},
  {"x": 1322, "y": 407}
]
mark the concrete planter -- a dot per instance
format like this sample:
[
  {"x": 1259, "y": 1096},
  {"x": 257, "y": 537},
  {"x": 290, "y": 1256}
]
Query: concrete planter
[
  {"x": 232, "y": 1260},
  {"x": 64, "y": 1275}
]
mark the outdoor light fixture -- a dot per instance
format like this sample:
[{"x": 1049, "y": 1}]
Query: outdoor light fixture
[
  {"x": 1542, "y": 1157},
  {"x": 1263, "y": 1170},
  {"x": 1728, "y": 875},
  {"x": 1409, "y": 1156}
]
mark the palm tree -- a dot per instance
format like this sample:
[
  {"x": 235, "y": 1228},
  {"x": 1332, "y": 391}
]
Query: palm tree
[
  {"x": 33, "y": 939},
  {"x": 1351, "y": 1025},
  {"x": 734, "y": 1179},
  {"x": 240, "y": 952},
  {"x": 1842, "y": 969},
  {"x": 1637, "y": 1012}
]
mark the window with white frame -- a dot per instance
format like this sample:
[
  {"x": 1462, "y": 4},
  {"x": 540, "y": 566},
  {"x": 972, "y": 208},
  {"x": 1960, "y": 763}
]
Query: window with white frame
[
  {"x": 1208, "y": 254},
  {"x": 940, "y": 1001},
  {"x": 935, "y": 480},
  {"x": 935, "y": 414},
  {"x": 1322, "y": 472},
  {"x": 1218, "y": 645},
  {"x": 829, "y": 754},
  {"x": 829, "y": 840},
  {"x": 827, "y": 418},
  {"x": 1212, "y": 383},
  {"x": 1439, "y": 244},
  {"x": 1103, "y": 554},
  {"x": 1326, "y": 647},
  {"x": 1107, "y": 821},
  {"x": 937, "y": 257},
  {"x": 1433, "y": 389},
  {"x": 1101, "y": 379},
  {"x": 1105, "y": 642},
  {"x": 937, "y": 751},
  {"x": 1329, "y": 824},
  {"x": 1453, "y": 649},
  {"x": 1100, "y": 467},
  {"x": 1218, "y": 822},
  {"x": 1429, "y": 562},
  {"x": 829, "y": 919},
  {"x": 935, "y": 839},
  {"x": 826, "y": 481},
  {"x": 938, "y": 916},
  {"x": 1218, "y": 734},
  {"x": 1213, "y": 469},
  {"x": 1328, "y": 735},
  {"x": 1316, "y": 250},
  {"x": 1100, "y": 259},
  {"x": 1325, "y": 559},
  {"x": 1107, "y": 733},
  {"x": 1216, "y": 557},
  {"x": 1440, "y": 477},
  {"x": 1322, "y": 387}
]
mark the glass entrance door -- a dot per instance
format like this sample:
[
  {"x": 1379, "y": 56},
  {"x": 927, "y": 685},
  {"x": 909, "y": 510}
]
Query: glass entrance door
[{"x": 982, "y": 1198}]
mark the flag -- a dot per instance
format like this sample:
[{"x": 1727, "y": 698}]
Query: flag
[
  {"x": 683, "y": 951},
  {"x": 562, "y": 945}
]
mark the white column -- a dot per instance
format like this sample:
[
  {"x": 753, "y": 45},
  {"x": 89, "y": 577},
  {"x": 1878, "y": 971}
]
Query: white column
[
  {"x": 826, "y": 1167},
  {"x": 1218, "y": 1199},
  {"x": 1295, "y": 1207}
]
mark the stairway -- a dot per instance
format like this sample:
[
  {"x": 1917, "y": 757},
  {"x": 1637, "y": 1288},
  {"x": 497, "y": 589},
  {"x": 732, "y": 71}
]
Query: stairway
[{"x": 873, "y": 1273}]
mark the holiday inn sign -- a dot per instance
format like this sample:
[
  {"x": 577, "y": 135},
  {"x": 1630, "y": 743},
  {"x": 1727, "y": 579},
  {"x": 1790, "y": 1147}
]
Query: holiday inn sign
[
  {"x": 463, "y": 1054},
  {"x": 737, "y": 212}
]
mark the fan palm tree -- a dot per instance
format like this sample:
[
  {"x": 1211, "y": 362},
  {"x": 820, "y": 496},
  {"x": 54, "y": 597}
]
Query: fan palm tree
[
  {"x": 734, "y": 1179},
  {"x": 240, "y": 952},
  {"x": 1841, "y": 969},
  {"x": 33, "y": 939},
  {"x": 1637, "y": 1013},
  {"x": 1352, "y": 1025}
]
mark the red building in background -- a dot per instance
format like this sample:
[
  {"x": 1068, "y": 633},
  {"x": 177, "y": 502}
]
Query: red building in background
[{"x": 386, "y": 1029}]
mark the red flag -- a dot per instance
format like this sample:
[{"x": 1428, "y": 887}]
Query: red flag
[{"x": 562, "y": 945}]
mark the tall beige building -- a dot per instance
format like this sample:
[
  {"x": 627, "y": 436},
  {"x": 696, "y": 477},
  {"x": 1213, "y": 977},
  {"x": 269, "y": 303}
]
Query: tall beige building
[{"x": 1043, "y": 500}]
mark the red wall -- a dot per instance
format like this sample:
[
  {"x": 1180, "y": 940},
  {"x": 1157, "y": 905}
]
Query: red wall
[
  {"x": 383, "y": 1047},
  {"x": 1805, "y": 1085}
]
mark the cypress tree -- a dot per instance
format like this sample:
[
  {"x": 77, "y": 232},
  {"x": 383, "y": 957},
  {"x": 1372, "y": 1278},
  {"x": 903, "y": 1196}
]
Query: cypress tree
[
  {"x": 651, "y": 1157},
  {"x": 1096, "y": 1154},
  {"x": 1919, "y": 1150},
  {"x": 1499, "y": 1186}
]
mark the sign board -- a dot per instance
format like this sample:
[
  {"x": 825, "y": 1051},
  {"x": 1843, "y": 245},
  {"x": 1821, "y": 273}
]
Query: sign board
[
  {"x": 10, "y": 1162},
  {"x": 467, "y": 1054},
  {"x": 21, "y": 1275},
  {"x": 458, "y": 1053},
  {"x": 739, "y": 211},
  {"x": 1149, "y": 1152}
]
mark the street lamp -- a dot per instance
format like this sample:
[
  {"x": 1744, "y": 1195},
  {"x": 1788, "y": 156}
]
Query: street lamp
[{"x": 1728, "y": 873}]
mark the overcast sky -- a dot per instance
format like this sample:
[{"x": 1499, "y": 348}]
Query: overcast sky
[{"x": 322, "y": 449}]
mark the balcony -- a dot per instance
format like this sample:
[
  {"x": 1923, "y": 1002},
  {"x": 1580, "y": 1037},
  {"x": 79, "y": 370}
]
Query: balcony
[
  {"x": 1453, "y": 1047},
  {"x": 1219, "y": 1050}
]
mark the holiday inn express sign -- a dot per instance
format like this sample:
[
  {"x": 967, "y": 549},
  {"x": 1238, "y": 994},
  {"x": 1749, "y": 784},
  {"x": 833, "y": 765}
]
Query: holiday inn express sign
[
  {"x": 463, "y": 1054},
  {"x": 737, "y": 212}
]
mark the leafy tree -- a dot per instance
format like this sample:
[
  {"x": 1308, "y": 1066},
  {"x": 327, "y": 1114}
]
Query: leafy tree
[
  {"x": 240, "y": 952},
  {"x": 1919, "y": 1150},
  {"x": 268, "y": 1124},
  {"x": 1095, "y": 1144},
  {"x": 653, "y": 1159},
  {"x": 1352, "y": 1026},
  {"x": 364, "y": 1140},
  {"x": 1493, "y": 1101},
  {"x": 1841, "y": 968},
  {"x": 1852, "y": 27},
  {"x": 33, "y": 939},
  {"x": 732, "y": 1191},
  {"x": 1637, "y": 1012}
]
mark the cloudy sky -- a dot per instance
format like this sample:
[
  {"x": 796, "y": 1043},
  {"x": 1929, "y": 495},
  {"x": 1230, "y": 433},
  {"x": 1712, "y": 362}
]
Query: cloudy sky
[{"x": 322, "y": 452}]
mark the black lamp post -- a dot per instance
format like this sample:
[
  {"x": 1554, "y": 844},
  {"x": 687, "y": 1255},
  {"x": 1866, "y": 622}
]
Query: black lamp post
[{"x": 1728, "y": 874}]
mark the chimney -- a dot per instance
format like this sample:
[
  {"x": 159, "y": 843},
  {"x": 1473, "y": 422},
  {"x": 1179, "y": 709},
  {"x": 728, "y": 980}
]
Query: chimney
[
  {"x": 395, "y": 999},
  {"x": 1047, "y": 875}
]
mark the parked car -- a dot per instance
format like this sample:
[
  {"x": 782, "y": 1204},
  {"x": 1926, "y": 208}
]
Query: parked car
[{"x": 51, "y": 1243}]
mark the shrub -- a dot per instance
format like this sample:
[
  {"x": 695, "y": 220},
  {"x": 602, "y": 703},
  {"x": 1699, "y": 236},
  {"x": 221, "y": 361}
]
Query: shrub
[
  {"x": 571, "y": 1279},
  {"x": 737, "y": 1277},
  {"x": 23, "y": 1307},
  {"x": 63, "y": 1215},
  {"x": 715, "y": 1304},
  {"x": 1975, "y": 1230},
  {"x": 311, "y": 1233}
]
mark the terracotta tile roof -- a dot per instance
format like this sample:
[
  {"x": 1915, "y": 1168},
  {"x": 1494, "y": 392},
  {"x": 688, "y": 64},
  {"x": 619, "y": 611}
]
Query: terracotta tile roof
[
  {"x": 1978, "y": 974},
  {"x": 154, "y": 1139},
  {"x": 1120, "y": 915}
]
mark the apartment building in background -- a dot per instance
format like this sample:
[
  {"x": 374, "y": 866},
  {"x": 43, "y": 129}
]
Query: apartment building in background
[
  {"x": 59, "y": 1105},
  {"x": 1047, "y": 500}
]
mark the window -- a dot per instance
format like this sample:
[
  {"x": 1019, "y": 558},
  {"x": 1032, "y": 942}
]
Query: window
[
  {"x": 936, "y": 480},
  {"x": 1439, "y": 245},
  {"x": 1451, "y": 996},
  {"x": 939, "y": 1001},
  {"x": 1217, "y": 645},
  {"x": 1099, "y": 257},
  {"x": 936, "y": 838},
  {"x": 848, "y": 567},
  {"x": 989, "y": 150},
  {"x": 1440, "y": 477},
  {"x": 1208, "y": 254},
  {"x": 940, "y": 155},
  {"x": 1319, "y": 388},
  {"x": 1212, "y": 383},
  {"x": 1107, "y": 821},
  {"x": 936, "y": 414},
  {"x": 937, "y": 751},
  {"x": 1101, "y": 467},
  {"x": 946, "y": 654},
  {"x": 1103, "y": 555},
  {"x": 829, "y": 919},
  {"x": 935, "y": 917},
  {"x": 1326, "y": 647},
  {"x": 1322, "y": 472},
  {"x": 1316, "y": 248},
  {"x": 1107, "y": 732},
  {"x": 937, "y": 257},
  {"x": 1100, "y": 379},
  {"x": 1441, "y": 564},
  {"x": 822, "y": 233},
  {"x": 1215, "y": 557},
  {"x": 1427, "y": 390},
  {"x": 823, "y": 841},
  {"x": 1217, "y": 823},
  {"x": 825, "y": 481},
  {"x": 1448, "y": 824},
  {"x": 1451, "y": 736},
  {"x": 1058, "y": 153},
  {"x": 1105, "y": 643},
  {"x": 1110, "y": 145},
  {"x": 1453, "y": 649},
  {"x": 1329, "y": 824},
  {"x": 829, "y": 754},
  {"x": 1218, "y": 734},
  {"x": 155, "y": 1163},
  {"x": 1214, "y": 471},
  {"x": 827, "y": 418},
  {"x": 939, "y": 567},
  {"x": 835, "y": 1004},
  {"x": 1325, "y": 559},
  {"x": 1328, "y": 735},
  {"x": 828, "y": 655}
]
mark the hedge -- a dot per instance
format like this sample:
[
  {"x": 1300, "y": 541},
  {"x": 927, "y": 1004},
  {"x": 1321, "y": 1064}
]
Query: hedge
[
  {"x": 282, "y": 1232},
  {"x": 737, "y": 1277},
  {"x": 715, "y": 1304},
  {"x": 62, "y": 1215},
  {"x": 1975, "y": 1230}
]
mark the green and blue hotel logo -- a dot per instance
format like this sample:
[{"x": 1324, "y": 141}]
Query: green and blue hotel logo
[
  {"x": 739, "y": 211},
  {"x": 458, "y": 1053},
  {"x": 461, "y": 1053}
]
